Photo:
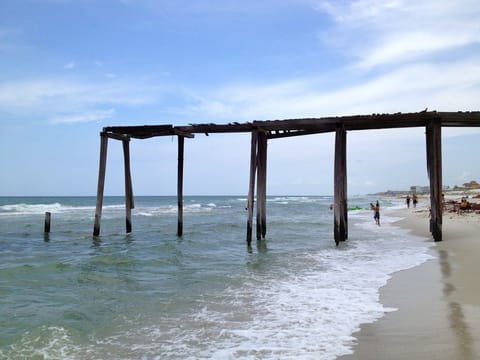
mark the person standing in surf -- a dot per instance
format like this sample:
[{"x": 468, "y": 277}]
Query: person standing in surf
[{"x": 376, "y": 216}]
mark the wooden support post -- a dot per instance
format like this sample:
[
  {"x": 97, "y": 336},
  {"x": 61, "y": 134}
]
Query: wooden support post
[
  {"x": 434, "y": 166},
  {"x": 345, "y": 194},
  {"x": 340, "y": 185},
  {"x": 264, "y": 185},
  {"x": 48, "y": 217},
  {"x": 251, "y": 187},
  {"x": 101, "y": 182},
  {"x": 261, "y": 184},
  {"x": 129, "y": 204},
  {"x": 181, "y": 140}
]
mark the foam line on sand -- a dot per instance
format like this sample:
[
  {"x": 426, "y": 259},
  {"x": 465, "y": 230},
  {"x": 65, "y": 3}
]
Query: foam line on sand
[{"x": 438, "y": 302}]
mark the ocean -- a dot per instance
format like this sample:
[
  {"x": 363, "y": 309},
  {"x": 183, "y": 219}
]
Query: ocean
[{"x": 153, "y": 295}]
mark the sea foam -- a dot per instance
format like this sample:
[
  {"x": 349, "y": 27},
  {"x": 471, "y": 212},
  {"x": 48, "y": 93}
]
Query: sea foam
[
  {"x": 307, "y": 314},
  {"x": 290, "y": 301}
]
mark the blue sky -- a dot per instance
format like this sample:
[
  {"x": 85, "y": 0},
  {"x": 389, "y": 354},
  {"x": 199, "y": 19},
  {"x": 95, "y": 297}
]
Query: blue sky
[{"x": 69, "y": 68}]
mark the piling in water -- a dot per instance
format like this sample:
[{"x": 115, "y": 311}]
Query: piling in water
[{"x": 48, "y": 217}]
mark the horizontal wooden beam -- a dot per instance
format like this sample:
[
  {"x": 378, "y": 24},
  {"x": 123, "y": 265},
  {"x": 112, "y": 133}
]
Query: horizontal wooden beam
[
  {"x": 183, "y": 133},
  {"x": 117, "y": 136},
  {"x": 289, "y": 133},
  {"x": 355, "y": 122},
  {"x": 141, "y": 132},
  {"x": 462, "y": 119},
  {"x": 305, "y": 126},
  {"x": 216, "y": 128}
]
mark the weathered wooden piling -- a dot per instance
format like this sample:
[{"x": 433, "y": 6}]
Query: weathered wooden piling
[
  {"x": 48, "y": 218},
  {"x": 129, "y": 203},
  {"x": 261, "y": 185},
  {"x": 340, "y": 186},
  {"x": 264, "y": 185},
  {"x": 251, "y": 186},
  {"x": 180, "y": 185},
  {"x": 101, "y": 182},
  {"x": 434, "y": 166}
]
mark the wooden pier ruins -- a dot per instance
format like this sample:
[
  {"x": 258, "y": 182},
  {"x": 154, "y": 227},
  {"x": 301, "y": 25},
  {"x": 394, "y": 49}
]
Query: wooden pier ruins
[{"x": 262, "y": 131}]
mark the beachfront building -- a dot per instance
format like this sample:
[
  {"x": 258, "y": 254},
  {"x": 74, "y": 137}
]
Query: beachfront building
[{"x": 420, "y": 190}]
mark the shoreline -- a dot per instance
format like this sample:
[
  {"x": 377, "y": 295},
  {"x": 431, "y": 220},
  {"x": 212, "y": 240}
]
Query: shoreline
[{"x": 438, "y": 302}]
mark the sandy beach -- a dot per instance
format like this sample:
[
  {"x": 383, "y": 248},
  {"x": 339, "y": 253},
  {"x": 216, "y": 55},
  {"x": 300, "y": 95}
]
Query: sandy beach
[{"x": 438, "y": 303}]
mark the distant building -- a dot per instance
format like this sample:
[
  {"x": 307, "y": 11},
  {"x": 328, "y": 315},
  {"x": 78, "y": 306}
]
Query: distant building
[
  {"x": 420, "y": 189},
  {"x": 471, "y": 185}
]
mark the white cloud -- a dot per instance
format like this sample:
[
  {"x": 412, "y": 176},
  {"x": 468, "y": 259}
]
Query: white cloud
[
  {"x": 53, "y": 96},
  {"x": 442, "y": 87},
  {"x": 378, "y": 32},
  {"x": 83, "y": 117},
  {"x": 413, "y": 45},
  {"x": 69, "y": 66}
]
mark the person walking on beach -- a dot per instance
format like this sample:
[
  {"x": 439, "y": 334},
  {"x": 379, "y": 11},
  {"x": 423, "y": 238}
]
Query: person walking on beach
[
  {"x": 408, "y": 201},
  {"x": 415, "y": 200},
  {"x": 376, "y": 212}
]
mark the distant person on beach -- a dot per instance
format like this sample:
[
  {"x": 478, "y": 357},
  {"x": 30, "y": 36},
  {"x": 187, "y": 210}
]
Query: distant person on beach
[
  {"x": 376, "y": 212},
  {"x": 414, "y": 200},
  {"x": 464, "y": 205},
  {"x": 408, "y": 201}
]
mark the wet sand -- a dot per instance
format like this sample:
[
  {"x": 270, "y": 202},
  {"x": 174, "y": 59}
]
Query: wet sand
[{"x": 438, "y": 302}]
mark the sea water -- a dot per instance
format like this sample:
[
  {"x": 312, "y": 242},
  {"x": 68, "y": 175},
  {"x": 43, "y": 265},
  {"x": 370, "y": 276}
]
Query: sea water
[{"x": 205, "y": 295}]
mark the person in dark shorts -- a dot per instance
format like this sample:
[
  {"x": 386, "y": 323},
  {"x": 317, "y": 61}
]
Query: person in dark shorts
[{"x": 376, "y": 212}]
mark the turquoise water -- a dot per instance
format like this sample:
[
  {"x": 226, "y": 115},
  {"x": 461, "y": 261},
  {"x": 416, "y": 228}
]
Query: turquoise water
[{"x": 152, "y": 295}]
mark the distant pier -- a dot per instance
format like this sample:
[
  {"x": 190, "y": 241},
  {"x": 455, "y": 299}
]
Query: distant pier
[{"x": 262, "y": 131}]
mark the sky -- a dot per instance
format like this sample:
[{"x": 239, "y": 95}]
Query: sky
[{"x": 69, "y": 68}]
